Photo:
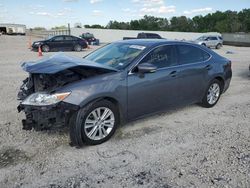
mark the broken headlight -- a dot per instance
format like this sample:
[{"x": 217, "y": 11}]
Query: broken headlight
[{"x": 43, "y": 99}]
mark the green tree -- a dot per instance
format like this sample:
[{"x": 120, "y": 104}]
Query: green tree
[
  {"x": 244, "y": 18},
  {"x": 181, "y": 23},
  {"x": 228, "y": 21}
]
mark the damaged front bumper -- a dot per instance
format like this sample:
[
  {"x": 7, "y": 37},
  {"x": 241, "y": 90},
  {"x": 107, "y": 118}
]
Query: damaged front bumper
[{"x": 47, "y": 117}]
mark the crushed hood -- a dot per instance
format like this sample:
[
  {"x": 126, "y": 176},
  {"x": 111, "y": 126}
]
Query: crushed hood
[{"x": 60, "y": 62}]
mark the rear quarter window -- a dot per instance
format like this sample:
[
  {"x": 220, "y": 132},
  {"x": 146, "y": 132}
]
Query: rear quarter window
[
  {"x": 188, "y": 54},
  {"x": 59, "y": 38}
]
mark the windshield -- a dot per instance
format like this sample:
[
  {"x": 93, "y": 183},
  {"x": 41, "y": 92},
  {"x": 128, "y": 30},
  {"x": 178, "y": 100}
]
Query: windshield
[{"x": 116, "y": 55}]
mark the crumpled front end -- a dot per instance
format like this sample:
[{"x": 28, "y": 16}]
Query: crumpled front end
[
  {"x": 40, "y": 94},
  {"x": 42, "y": 112},
  {"x": 47, "y": 117}
]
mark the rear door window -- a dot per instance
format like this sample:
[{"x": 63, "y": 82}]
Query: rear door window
[
  {"x": 188, "y": 54},
  {"x": 163, "y": 56},
  {"x": 212, "y": 38},
  {"x": 69, "y": 38}
]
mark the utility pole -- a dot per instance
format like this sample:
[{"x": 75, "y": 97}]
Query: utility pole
[{"x": 69, "y": 28}]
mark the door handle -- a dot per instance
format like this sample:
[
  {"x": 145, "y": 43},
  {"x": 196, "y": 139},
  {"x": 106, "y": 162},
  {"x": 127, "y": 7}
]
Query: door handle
[
  {"x": 208, "y": 67},
  {"x": 173, "y": 74}
]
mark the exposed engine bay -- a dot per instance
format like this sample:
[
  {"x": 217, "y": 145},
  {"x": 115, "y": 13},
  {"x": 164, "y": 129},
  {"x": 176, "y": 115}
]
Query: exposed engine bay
[{"x": 50, "y": 82}]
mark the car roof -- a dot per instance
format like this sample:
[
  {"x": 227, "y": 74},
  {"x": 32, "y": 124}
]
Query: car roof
[
  {"x": 152, "y": 42},
  {"x": 67, "y": 36},
  {"x": 64, "y": 36},
  {"x": 210, "y": 35}
]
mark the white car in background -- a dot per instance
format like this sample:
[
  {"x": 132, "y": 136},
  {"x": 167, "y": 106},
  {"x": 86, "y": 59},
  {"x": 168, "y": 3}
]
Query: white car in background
[{"x": 210, "y": 41}]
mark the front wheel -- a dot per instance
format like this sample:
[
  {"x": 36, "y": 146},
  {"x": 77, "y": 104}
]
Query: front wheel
[
  {"x": 212, "y": 94},
  {"x": 45, "y": 48},
  {"x": 94, "y": 124}
]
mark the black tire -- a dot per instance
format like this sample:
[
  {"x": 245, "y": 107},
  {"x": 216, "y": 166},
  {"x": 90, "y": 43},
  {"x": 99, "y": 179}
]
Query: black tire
[
  {"x": 78, "y": 135},
  {"x": 218, "y": 46},
  {"x": 45, "y": 48},
  {"x": 203, "y": 44},
  {"x": 77, "y": 48},
  {"x": 205, "y": 102}
]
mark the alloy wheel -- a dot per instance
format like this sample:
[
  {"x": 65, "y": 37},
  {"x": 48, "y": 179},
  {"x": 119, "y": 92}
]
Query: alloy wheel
[
  {"x": 213, "y": 93},
  {"x": 99, "y": 123},
  {"x": 45, "y": 48},
  {"x": 78, "y": 48}
]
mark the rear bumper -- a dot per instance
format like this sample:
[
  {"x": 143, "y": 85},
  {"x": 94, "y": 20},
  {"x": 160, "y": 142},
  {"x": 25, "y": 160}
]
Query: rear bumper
[
  {"x": 47, "y": 117},
  {"x": 227, "y": 77},
  {"x": 226, "y": 85}
]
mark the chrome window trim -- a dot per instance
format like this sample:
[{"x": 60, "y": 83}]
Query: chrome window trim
[{"x": 163, "y": 68}]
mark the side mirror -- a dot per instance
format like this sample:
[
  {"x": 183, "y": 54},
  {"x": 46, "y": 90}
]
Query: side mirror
[{"x": 146, "y": 68}]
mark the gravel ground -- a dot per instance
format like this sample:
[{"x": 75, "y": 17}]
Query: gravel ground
[{"x": 185, "y": 147}]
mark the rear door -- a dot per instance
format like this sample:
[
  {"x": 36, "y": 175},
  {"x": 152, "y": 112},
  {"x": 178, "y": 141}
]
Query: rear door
[
  {"x": 151, "y": 92},
  {"x": 193, "y": 72},
  {"x": 69, "y": 42},
  {"x": 212, "y": 41}
]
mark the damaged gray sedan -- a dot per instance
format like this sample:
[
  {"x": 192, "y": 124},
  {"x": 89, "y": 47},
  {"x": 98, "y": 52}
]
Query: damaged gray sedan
[{"x": 117, "y": 83}]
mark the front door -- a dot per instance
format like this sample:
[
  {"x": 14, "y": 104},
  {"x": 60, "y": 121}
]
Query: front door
[
  {"x": 151, "y": 92},
  {"x": 57, "y": 43}
]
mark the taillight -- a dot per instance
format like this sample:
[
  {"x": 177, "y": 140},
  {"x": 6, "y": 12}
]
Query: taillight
[{"x": 230, "y": 64}]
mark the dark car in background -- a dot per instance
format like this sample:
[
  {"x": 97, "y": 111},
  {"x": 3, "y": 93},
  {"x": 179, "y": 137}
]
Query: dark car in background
[
  {"x": 119, "y": 82},
  {"x": 144, "y": 36},
  {"x": 90, "y": 38},
  {"x": 61, "y": 43}
]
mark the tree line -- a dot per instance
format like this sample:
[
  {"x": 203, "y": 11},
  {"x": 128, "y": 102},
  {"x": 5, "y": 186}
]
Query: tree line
[{"x": 223, "y": 22}]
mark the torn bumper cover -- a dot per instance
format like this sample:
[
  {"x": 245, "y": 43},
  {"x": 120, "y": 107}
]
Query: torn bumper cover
[{"x": 47, "y": 117}]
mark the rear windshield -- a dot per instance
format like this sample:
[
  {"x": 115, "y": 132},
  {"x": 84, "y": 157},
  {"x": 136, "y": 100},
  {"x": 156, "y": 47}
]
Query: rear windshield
[
  {"x": 88, "y": 35},
  {"x": 116, "y": 55}
]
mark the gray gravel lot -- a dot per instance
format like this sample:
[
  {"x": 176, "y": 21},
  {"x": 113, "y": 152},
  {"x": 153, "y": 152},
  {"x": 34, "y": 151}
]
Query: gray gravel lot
[{"x": 186, "y": 147}]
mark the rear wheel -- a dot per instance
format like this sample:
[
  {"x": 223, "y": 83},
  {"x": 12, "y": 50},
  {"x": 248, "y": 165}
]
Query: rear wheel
[
  {"x": 45, "y": 48},
  {"x": 218, "y": 46},
  {"x": 77, "y": 48},
  {"x": 203, "y": 44},
  {"x": 94, "y": 124},
  {"x": 212, "y": 94}
]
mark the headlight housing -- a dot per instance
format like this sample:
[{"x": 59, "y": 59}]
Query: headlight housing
[{"x": 44, "y": 99}]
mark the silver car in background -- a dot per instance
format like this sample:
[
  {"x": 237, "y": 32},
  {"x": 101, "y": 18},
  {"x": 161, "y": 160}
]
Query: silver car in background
[{"x": 211, "y": 41}]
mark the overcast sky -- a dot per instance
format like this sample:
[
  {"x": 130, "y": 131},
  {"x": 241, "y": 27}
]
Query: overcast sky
[{"x": 48, "y": 13}]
